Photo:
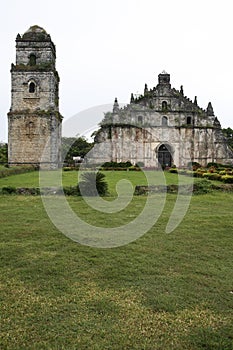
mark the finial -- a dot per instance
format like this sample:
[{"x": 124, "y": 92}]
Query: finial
[
  {"x": 195, "y": 100},
  {"x": 181, "y": 90},
  {"x": 210, "y": 111},
  {"x": 145, "y": 89},
  {"x": 115, "y": 105},
  {"x": 132, "y": 98}
]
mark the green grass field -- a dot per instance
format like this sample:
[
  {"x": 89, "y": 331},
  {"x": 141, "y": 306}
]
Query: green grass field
[
  {"x": 163, "y": 291},
  {"x": 70, "y": 178}
]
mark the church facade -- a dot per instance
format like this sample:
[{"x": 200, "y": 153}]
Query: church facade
[
  {"x": 34, "y": 120},
  {"x": 162, "y": 127}
]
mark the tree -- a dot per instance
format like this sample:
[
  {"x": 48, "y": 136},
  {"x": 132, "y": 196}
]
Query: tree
[
  {"x": 3, "y": 153},
  {"x": 228, "y": 133},
  {"x": 74, "y": 147}
]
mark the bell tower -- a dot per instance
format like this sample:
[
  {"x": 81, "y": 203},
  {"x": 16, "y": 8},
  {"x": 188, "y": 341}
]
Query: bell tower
[{"x": 34, "y": 120}]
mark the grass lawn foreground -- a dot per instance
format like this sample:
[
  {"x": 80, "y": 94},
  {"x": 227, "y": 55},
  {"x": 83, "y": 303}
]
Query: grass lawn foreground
[{"x": 163, "y": 291}]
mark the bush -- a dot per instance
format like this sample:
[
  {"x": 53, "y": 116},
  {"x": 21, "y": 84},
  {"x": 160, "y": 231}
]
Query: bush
[
  {"x": 173, "y": 170},
  {"x": 16, "y": 170},
  {"x": 202, "y": 187},
  {"x": 68, "y": 168},
  {"x": 213, "y": 164},
  {"x": 93, "y": 184},
  {"x": 35, "y": 191},
  {"x": 212, "y": 176},
  {"x": 116, "y": 165},
  {"x": 227, "y": 179},
  {"x": 199, "y": 172},
  {"x": 8, "y": 190},
  {"x": 71, "y": 191},
  {"x": 194, "y": 165}
]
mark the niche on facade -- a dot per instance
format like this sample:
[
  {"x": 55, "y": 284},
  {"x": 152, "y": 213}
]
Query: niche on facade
[
  {"x": 164, "y": 106},
  {"x": 164, "y": 121},
  {"x": 189, "y": 121},
  {"x": 30, "y": 128},
  {"x": 32, "y": 87},
  {"x": 32, "y": 60},
  {"x": 140, "y": 120}
]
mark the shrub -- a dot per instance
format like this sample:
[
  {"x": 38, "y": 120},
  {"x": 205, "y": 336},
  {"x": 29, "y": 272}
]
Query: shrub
[
  {"x": 68, "y": 168},
  {"x": 28, "y": 191},
  {"x": 8, "y": 190},
  {"x": 116, "y": 165},
  {"x": 193, "y": 165},
  {"x": 71, "y": 191},
  {"x": 173, "y": 170},
  {"x": 199, "y": 172},
  {"x": 16, "y": 170},
  {"x": 214, "y": 176},
  {"x": 202, "y": 187},
  {"x": 214, "y": 164},
  {"x": 93, "y": 184},
  {"x": 228, "y": 179}
]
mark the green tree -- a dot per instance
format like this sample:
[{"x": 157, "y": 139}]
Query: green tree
[
  {"x": 74, "y": 147},
  {"x": 3, "y": 153},
  {"x": 228, "y": 133}
]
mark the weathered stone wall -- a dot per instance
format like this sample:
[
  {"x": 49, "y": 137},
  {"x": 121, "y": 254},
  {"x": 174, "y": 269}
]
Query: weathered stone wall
[
  {"x": 34, "y": 120},
  {"x": 162, "y": 116}
]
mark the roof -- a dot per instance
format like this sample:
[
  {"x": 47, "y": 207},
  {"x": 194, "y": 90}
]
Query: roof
[{"x": 36, "y": 33}]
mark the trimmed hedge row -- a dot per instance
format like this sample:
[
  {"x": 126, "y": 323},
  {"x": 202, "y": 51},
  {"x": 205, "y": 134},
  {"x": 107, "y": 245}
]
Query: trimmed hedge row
[
  {"x": 16, "y": 170},
  {"x": 201, "y": 187},
  {"x": 226, "y": 175},
  {"x": 68, "y": 190}
]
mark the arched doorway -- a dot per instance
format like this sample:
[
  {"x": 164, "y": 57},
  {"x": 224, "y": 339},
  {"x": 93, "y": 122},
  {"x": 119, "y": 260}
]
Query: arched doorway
[{"x": 164, "y": 155}]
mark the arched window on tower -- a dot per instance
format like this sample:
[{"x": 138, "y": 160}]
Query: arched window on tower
[
  {"x": 164, "y": 105},
  {"x": 32, "y": 60},
  {"x": 189, "y": 120},
  {"x": 32, "y": 87},
  {"x": 164, "y": 121},
  {"x": 139, "y": 119}
]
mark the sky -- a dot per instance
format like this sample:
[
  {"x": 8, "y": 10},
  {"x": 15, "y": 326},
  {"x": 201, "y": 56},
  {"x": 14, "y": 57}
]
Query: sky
[{"x": 107, "y": 49}]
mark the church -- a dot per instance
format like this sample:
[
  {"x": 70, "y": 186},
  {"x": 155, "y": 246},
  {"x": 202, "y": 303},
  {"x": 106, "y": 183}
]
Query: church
[{"x": 162, "y": 127}]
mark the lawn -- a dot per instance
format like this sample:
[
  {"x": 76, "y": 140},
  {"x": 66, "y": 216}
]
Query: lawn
[
  {"x": 162, "y": 291},
  {"x": 70, "y": 178}
]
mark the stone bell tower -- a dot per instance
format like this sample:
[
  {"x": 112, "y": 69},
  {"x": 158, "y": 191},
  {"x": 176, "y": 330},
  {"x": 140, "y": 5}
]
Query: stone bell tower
[{"x": 34, "y": 120}]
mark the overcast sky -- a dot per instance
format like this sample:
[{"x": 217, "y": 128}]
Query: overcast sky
[{"x": 107, "y": 49}]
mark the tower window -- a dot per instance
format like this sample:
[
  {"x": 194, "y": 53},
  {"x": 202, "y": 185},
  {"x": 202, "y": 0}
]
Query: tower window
[
  {"x": 164, "y": 121},
  {"x": 189, "y": 120},
  {"x": 164, "y": 105},
  {"x": 140, "y": 119},
  {"x": 32, "y": 60},
  {"x": 32, "y": 87}
]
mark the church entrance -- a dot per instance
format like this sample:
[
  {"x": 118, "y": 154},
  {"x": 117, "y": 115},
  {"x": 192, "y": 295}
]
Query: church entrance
[{"x": 164, "y": 156}]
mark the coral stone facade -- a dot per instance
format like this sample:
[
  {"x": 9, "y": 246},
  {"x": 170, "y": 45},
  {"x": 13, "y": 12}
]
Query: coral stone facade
[
  {"x": 34, "y": 120},
  {"x": 162, "y": 127}
]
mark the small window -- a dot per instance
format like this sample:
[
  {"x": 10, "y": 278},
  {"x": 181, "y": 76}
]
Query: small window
[
  {"x": 164, "y": 121},
  {"x": 189, "y": 120},
  {"x": 140, "y": 119},
  {"x": 29, "y": 128},
  {"x": 32, "y": 60},
  {"x": 164, "y": 105},
  {"x": 32, "y": 87}
]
